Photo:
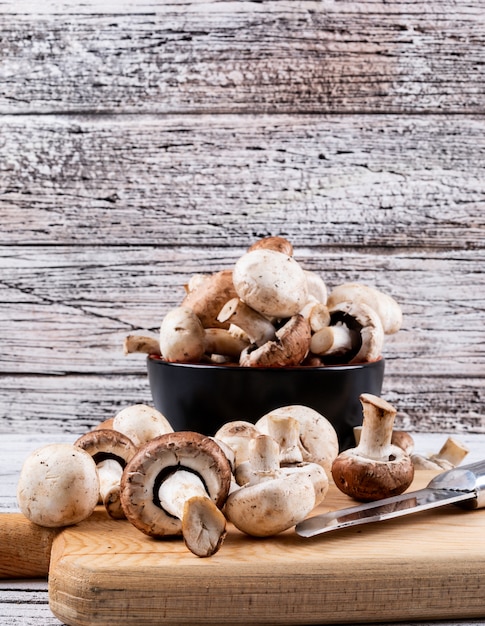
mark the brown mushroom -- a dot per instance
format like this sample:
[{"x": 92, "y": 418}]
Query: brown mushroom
[
  {"x": 177, "y": 484},
  {"x": 280, "y": 244},
  {"x": 290, "y": 346},
  {"x": 375, "y": 468},
  {"x": 209, "y": 296}
]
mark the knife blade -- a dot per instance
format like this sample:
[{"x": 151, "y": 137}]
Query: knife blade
[{"x": 463, "y": 486}]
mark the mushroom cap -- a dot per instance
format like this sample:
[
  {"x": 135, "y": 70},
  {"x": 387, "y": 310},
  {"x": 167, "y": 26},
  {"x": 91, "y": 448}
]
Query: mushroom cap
[
  {"x": 290, "y": 347},
  {"x": 208, "y": 297},
  {"x": 104, "y": 444},
  {"x": 272, "y": 283},
  {"x": 275, "y": 242},
  {"x": 58, "y": 485},
  {"x": 318, "y": 438},
  {"x": 366, "y": 480},
  {"x": 159, "y": 458},
  {"x": 182, "y": 336},
  {"x": 270, "y": 507},
  {"x": 362, "y": 318},
  {"x": 385, "y": 306},
  {"x": 140, "y": 423}
]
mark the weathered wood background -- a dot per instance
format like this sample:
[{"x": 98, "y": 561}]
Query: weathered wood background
[{"x": 142, "y": 142}]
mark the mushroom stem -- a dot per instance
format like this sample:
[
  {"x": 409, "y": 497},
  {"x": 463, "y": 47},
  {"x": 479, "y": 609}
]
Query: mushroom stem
[
  {"x": 286, "y": 432},
  {"x": 452, "y": 451},
  {"x": 336, "y": 339},
  {"x": 221, "y": 341},
  {"x": 263, "y": 461},
  {"x": 110, "y": 472},
  {"x": 377, "y": 425},
  {"x": 141, "y": 343},
  {"x": 257, "y": 327},
  {"x": 184, "y": 496}
]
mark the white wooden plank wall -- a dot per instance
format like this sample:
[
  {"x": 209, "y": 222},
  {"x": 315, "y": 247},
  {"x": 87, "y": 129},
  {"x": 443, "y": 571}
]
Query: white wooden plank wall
[{"x": 141, "y": 142}]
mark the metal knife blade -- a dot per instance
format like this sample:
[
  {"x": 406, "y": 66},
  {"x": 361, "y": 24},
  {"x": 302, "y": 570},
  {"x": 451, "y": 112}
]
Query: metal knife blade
[{"x": 464, "y": 486}]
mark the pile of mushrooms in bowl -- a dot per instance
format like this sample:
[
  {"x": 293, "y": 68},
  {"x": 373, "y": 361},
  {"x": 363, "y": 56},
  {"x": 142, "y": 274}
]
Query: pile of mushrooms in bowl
[{"x": 268, "y": 311}]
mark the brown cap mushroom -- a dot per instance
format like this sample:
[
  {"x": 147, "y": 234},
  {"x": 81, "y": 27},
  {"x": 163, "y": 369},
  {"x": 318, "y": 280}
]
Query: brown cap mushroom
[
  {"x": 111, "y": 451},
  {"x": 208, "y": 297},
  {"x": 58, "y": 485},
  {"x": 177, "y": 484},
  {"x": 289, "y": 348},
  {"x": 375, "y": 468},
  {"x": 275, "y": 242},
  {"x": 257, "y": 327},
  {"x": 385, "y": 306},
  {"x": 270, "y": 282}
]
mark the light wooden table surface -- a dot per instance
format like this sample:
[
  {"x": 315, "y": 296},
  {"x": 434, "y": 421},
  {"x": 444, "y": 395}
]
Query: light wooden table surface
[{"x": 25, "y": 602}]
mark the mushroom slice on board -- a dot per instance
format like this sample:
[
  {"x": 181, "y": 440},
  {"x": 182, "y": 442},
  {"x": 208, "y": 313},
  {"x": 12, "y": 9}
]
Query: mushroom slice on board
[
  {"x": 375, "y": 468},
  {"x": 176, "y": 484},
  {"x": 58, "y": 485},
  {"x": 111, "y": 451}
]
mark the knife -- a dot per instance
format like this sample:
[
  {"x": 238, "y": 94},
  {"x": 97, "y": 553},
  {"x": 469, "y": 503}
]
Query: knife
[{"x": 463, "y": 486}]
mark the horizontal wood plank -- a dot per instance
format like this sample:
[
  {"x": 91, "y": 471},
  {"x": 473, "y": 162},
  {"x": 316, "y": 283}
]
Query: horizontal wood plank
[
  {"x": 376, "y": 56},
  {"x": 357, "y": 181}
]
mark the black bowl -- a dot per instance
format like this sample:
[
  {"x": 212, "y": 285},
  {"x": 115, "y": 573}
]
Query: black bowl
[{"x": 202, "y": 397}]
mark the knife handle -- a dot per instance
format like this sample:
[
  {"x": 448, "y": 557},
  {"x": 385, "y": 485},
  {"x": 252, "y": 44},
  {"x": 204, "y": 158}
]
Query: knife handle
[{"x": 470, "y": 478}]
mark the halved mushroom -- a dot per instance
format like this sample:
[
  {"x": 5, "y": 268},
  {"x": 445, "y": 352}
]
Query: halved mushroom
[
  {"x": 111, "y": 451},
  {"x": 375, "y": 468},
  {"x": 58, "y": 485},
  {"x": 177, "y": 484}
]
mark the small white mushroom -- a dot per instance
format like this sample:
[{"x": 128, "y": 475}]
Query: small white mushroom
[
  {"x": 58, "y": 485},
  {"x": 140, "y": 423},
  {"x": 450, "y": 455},
  {"x": 237, "y": 434},
  {"x": 271, "y": 283}
]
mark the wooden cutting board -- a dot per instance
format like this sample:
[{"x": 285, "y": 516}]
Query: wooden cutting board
[{"x": 425, "y": 566}]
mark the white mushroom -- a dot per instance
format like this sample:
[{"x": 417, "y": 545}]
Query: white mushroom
[
  {"x": 318, "y": 441},
  {"x": 237, "y": 434},
  {"x": 450, "y": 455},
  {"x": 270, "y": 282},
  {"x": 58, "y": 485},
  {"x": 140, "y": 423},
  {"x": 385, "y": 306},
  {"x": 257, "y": 327},
  {"x": 272, "y": 500}
]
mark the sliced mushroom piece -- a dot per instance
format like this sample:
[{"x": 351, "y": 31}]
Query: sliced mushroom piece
[
  {"x": 177, "y": 484},
  {"x": 318, "y": 441},
  {"x": 289, "y": 348},
  {"x": 375, "y": 468},
  {"x": 140, "y": 423},
  {"x": 208, "y": 297},
  {"x": 271, "y": 283},
  {"x": 111, "y": 451},
  {"x": 385, "y": 306},
  {"x": 58, "y": 485},
  {"x": 450, "y": 455},
  {"x": 366, "y": 324}
]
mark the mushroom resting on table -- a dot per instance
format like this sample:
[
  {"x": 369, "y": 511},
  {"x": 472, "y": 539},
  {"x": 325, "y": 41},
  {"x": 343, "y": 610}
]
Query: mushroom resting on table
[
  {"x": 375, "y": 468},
  {"x": 58, "y": 485},
  {"x": 176, "y": 484}
]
